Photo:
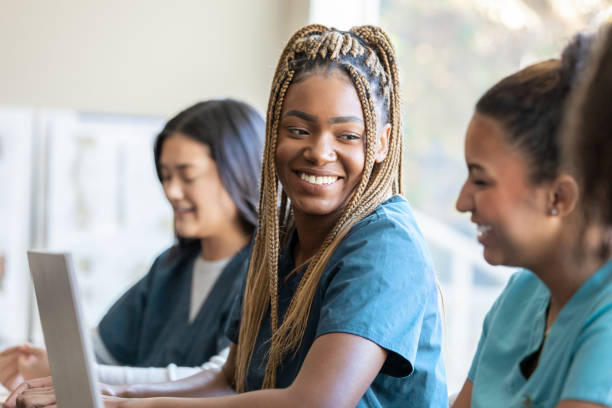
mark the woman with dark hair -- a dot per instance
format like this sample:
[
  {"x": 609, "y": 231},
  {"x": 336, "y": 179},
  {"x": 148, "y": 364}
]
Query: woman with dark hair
[
  {"x": 547, "y": 340},
  {"x": 208, "y": 159}
]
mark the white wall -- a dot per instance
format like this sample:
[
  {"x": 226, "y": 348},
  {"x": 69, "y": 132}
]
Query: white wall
[
  {"x": 141, "y": 56},
  {"x": 344, "y": 14},
  {"x": 150, "y": 57}
]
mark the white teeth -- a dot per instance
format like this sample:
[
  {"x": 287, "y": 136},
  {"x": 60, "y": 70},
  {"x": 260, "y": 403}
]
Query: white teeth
[
  {"x": 319, "y": 180},
  {"x": 483, "y": 229}
]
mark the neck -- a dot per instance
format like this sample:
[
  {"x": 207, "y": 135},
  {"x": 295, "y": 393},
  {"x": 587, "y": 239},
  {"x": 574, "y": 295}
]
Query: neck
[
  {"x": 311, "y": 231},
  {"x": 566, "y": 270},
  {"x": 225, "y": 244},
  {"x": 565, "y": 281}
]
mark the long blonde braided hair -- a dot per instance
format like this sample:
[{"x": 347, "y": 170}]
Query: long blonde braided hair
[{"x": 367, "y": 56}]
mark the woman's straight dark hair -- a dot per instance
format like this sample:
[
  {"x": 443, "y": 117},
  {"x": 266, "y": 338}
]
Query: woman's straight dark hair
[{"x": 234, "y": 131}]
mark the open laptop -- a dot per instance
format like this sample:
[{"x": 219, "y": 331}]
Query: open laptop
[{"x": 68, "y": 345}]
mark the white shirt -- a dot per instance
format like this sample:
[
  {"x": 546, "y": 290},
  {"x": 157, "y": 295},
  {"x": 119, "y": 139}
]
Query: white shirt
[{"x": 205, "y": 274}]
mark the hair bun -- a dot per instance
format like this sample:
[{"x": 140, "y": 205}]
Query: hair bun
[{"x": 575, "y": 57}]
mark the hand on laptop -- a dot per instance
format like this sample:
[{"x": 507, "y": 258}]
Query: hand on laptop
[
  {"x": 9, "y": 373},
  {"x": 112, "y": 390},
  {"x": 40, "y": 393},
  {"x": 21, "y": 363},
  {"x": 32, "y": 393}
]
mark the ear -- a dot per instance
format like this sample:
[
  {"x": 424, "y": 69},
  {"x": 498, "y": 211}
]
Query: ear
[
  {"x": 382, "y": 143},
  {"x": 563, "y": 196}
]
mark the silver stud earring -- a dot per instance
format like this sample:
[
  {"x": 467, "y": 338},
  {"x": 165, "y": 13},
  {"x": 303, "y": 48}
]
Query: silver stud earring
[{"x": 553, "y": 211}]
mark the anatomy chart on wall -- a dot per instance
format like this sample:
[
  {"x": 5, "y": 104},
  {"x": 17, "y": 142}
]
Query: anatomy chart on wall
[
  {"x": 104, "y": 202},
  {"x": 78, "y": 183},
  {"x": 15, "y": 165}
]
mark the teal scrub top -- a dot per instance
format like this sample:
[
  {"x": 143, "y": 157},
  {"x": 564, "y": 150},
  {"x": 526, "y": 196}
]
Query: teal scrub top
[
  {"x": 379, "y": 284},
  {"x": 576, "y": 357},
  {"x": 149, "y": 325}
]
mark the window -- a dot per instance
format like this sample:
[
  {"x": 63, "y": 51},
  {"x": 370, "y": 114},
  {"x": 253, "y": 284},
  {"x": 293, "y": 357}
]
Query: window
[{"x": 450, "y": 52}]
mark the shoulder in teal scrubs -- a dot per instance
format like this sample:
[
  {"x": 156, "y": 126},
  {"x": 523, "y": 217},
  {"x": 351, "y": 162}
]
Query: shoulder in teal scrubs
[
  {"x": 576, "y": 358},
  {"x": 379, "y": 284}
]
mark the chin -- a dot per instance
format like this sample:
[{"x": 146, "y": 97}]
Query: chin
[
  {"x": 317, "y": 211},
  {"x": 186, "y": 235},
  {"x": 493, "y": 258},
  {"x": 315, "y": 207},
  {"x": 186, "y": 232}
]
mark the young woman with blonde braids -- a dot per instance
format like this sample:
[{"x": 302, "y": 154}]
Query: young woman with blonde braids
[{"x": 340, "y": 307}]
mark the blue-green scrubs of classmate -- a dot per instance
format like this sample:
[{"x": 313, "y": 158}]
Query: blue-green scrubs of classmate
[
  {"x": 149, "y": 325},
  {"x": 576, "y": 360},
  {"x": 379, "y": 284}
]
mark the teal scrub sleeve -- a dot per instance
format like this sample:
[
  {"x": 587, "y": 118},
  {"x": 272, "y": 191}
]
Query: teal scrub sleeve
[
  {"x": 381, "y": 288},
  {"x": 590, "y": 374}
]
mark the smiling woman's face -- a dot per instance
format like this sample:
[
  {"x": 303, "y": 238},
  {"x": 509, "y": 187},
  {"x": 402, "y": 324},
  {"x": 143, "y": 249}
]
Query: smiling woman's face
[
  {"x": 320, "y": 154},
  {"x": 202, "y": 206},
  {"x": 510, "y": 211}
]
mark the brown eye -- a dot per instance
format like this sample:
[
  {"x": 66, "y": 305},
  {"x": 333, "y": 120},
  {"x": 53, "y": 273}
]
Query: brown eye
[
  {"x": 350, "y": 136},
  {"x": 297, "y": 131}
]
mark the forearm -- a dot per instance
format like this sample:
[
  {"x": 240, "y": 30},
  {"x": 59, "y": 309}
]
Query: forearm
[
  {"x": 205, "y": 383},
  {"x": 275, "y": 398}
]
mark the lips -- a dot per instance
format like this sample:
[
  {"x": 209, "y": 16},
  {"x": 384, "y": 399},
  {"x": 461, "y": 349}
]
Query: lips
[
  {"x": 316, "y": 179},
  {"x": 182, "y": 211},
  {"x": 484, "y": 233},
  {"x": 483, "y": 229}
]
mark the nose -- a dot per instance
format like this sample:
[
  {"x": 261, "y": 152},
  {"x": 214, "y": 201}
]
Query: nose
[
  {"x": 321, "y": 149},
  {"x": 465, "y": 200},
  {"x": 173, "y": 189}
]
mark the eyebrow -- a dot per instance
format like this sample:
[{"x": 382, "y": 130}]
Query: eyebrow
[
  {"x": 179, "y": 167},
  {"x": 474, "y": 166},
  {"x": 311, "y": 118},
  {"x": 302, "y": 115},
  {"x": 344, "y": 119}
]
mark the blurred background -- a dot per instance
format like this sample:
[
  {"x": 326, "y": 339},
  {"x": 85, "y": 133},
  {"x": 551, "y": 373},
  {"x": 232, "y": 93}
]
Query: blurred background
[{"x": 86, "y": 85}]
